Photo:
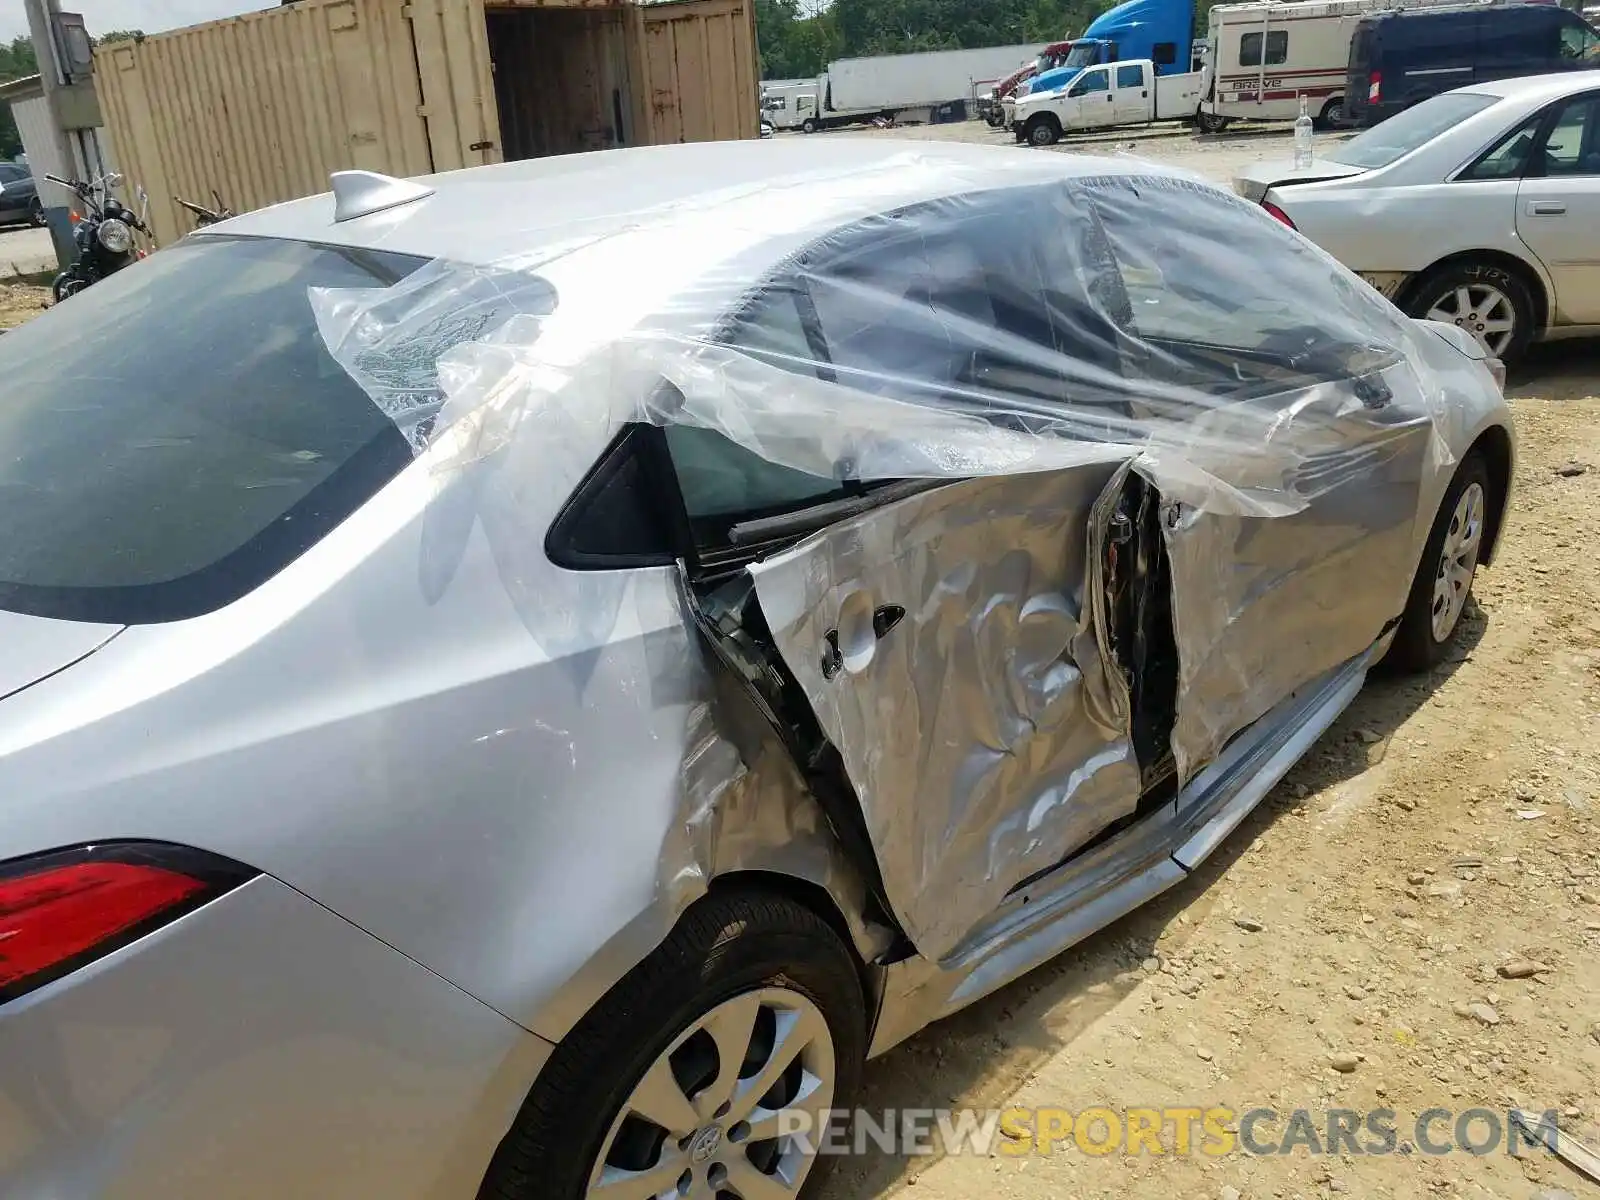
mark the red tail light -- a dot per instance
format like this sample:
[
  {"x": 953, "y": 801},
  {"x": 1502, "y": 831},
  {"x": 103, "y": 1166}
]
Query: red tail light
[
  {"x": 1277, "y": 213},
  {"x": 1375, "y": 88},
  {"x": 63, "y": 910}
]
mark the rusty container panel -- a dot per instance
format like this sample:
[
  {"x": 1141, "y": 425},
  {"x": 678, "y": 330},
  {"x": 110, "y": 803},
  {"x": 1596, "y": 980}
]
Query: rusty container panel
[
  {"x": 263, "y": 107},
  {"x": 697, "y": 71}
]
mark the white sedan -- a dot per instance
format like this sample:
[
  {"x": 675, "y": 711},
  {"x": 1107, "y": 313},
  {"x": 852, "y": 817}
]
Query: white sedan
[{"x": 1479, "y": 207}]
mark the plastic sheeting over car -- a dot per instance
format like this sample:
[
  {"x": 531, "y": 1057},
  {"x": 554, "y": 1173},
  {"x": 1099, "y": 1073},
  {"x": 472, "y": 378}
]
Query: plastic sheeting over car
[{"x": 1030, "y": 334}]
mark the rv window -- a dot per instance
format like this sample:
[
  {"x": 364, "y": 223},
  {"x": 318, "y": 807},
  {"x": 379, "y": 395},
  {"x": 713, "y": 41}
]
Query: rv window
[
  {"x": 1507, "y": 158},
  {"x": 1164, "y": 54},
  {"x": 1277, "y": 48},
  {"x": 1573, "y": 147},
  {"x": 1131, "y": 76}
]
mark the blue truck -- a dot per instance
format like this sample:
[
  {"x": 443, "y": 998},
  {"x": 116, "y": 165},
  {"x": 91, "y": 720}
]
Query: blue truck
[{"x": 1161, "y": 31}]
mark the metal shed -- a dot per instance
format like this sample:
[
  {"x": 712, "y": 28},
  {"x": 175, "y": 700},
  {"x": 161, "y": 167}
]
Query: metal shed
[{"x": 264, "y": 106}]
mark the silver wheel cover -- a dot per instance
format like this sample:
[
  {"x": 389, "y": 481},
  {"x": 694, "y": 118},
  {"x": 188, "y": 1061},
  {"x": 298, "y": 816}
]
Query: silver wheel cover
[
  {"x": 1483, "y": 310},
  {"x": 705, "y": 1118},
  {"x": 1458, "y": 560}
]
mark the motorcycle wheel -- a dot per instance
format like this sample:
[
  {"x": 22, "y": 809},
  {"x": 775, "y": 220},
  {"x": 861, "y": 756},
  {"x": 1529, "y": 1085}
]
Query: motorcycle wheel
[{"x": 66, "y": 285}]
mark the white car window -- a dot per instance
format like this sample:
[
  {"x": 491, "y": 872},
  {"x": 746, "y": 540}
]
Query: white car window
[
  {"x": 1574, "y": 144},
  {"x": 1406, "y": 131},
  {"x": 1130, "y": 77}
]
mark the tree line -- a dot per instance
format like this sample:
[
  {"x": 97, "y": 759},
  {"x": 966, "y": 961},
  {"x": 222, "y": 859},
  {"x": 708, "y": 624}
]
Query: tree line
[{"x": 18, "y": 61}]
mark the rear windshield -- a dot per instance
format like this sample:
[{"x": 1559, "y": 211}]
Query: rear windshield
[
  {"x": 177, "y": 434},
  {"x": 1405, "y": 131}
]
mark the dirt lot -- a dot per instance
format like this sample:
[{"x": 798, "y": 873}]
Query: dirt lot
[
  {"x": 1443, "y": 829},
  {"x": 19, "y": 302}
]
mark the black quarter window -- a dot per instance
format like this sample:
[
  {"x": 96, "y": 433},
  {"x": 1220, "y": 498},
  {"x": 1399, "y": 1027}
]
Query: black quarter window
[
  {"x": 1277, "y": 48},
  {"x": 163, "y": 468},
  {"x": 1164, "y": 54}
]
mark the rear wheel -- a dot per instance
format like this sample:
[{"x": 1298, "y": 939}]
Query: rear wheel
[
  {"x": 1042, "y": 131},
  {"x": 1210, "y": 122},
  {"x": 808, "y": 126},
  {"x": 1444, "y": 577},
  {"x": 1332, "y": 114},
  {"x": 1487, "y": 301},
  {"x": 679, "y": 1080}
]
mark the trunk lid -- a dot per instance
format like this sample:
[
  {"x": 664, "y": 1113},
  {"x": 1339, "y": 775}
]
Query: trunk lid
[
  {"x": 34, "y": 648},
  {"x": 1253, "y": 182}
]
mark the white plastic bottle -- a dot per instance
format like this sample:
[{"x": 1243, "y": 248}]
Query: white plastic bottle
[{"x": 1302, "y": 138}]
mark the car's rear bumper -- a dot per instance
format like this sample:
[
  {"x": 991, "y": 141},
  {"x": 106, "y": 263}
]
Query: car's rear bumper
[{"x": 260, "y": 1047}]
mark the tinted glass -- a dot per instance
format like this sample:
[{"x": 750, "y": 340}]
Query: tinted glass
[
  {"x": 1164, "y": 54},
  {"x": 1092, "y": 81},
  {"x": 1573, "y": 147},
  {"x": 177, "y": 434},
  {"x": 1406, "y": 131},
  {"x": 1507, "y": 158},
  {"x": 1130, "y": 77}
]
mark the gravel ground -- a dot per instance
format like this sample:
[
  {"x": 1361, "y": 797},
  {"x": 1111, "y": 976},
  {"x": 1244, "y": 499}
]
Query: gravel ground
[{"x": 1445, "y": 828}]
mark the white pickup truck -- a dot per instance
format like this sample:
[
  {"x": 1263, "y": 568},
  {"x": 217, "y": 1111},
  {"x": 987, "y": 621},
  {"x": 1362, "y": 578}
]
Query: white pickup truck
[{"x": 1119, "y": 93}]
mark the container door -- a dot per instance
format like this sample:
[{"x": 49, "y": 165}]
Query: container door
[
  {"x": 697, "y": 70},
  {"x": 458, "y": 103}
]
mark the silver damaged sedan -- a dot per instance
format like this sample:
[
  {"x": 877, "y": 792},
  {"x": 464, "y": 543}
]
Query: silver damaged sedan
[{"x": 517, "y": 683}]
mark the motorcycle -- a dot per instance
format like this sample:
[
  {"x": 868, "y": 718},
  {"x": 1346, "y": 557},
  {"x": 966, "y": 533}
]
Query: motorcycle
[
  {"x": 103, "y": 235},
  {"x": 207, "y": 216}
]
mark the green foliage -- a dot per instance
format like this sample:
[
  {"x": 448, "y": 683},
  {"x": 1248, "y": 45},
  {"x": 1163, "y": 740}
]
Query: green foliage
[
  {"x": 17, "y": 61},
  {"x": 120, "y": 35},
  {"x": 796, "y": 43}
]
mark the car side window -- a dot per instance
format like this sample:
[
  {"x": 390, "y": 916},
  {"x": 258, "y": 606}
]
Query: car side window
[
  {"x": 1507, "y": 158},
  {"x": 1573, "y": 147},
  {"x": 719, "y": 477},
  {"x": 1130, "y": 77},
  {"x": 1277, "y": 48},
  {"x": 1092, "y": 81},
  {"x": 11, "y": 174}
]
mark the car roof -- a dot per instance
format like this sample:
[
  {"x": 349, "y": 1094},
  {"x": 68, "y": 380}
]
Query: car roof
[
  {"x": 1538, "y": 88},
  {"x": 800, "y": 184}
]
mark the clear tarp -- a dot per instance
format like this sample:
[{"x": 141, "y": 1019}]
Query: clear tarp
[{"x": 811, "y": 338}]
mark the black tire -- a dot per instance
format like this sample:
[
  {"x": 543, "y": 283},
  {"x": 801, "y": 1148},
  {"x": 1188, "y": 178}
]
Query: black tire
[
  {"x": 1332, "y": 114},
  {"x": 1041, "y": 130},
  {"x": 66, "y": 285},
  {"x": 1210, "y": 122},
  {"x": 808, "y": 126},
  {"x": 1422, "y": 296},
  {"x": 36, "y": 216},
  {"x": 1415, "y": 648},
  {"x": 726, "y": 944}
]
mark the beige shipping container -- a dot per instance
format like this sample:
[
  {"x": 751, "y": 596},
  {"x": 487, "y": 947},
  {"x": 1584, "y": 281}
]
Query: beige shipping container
[{"x": 263, "y": 107}]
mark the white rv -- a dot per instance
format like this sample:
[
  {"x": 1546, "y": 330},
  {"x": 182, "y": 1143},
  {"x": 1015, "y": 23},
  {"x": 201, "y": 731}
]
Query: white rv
[{"x": 1266, "y": 55}]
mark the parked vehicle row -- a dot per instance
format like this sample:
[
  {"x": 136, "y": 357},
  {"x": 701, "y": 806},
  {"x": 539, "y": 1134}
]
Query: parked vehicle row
[
  {"x": 1349, "y": 62},
  {"x": 922, "y": 88},
  {"x": 793, "y": 623}
]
